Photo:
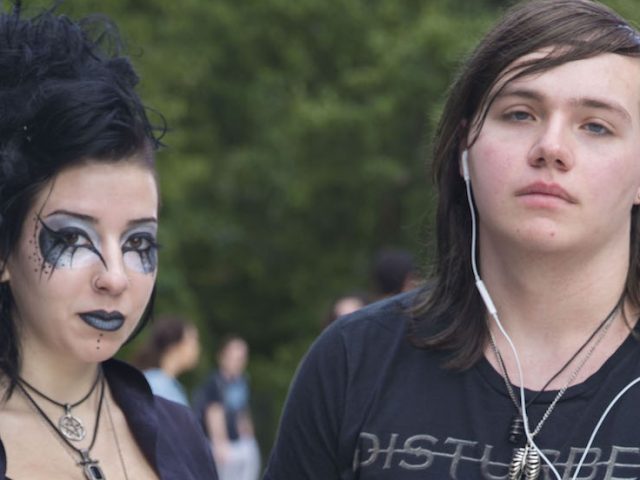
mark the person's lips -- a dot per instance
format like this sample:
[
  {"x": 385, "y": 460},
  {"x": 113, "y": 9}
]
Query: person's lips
[
  {"x": 103, "y": 320},
  {"x": 547, "y": 190}
]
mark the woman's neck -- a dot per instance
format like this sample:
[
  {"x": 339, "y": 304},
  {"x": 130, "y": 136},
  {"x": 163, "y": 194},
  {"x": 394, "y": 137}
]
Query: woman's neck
[{"x": 62, "y": 379}]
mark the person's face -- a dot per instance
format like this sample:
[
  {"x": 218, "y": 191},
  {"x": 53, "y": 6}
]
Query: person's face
[
  {"x": 347, "y": 305},
  {"x": 233, "y": 359},
  {"x": 85, "y": 264},
  {"x": 190, "y": 348},
  {"x": 557, "y": 161}
]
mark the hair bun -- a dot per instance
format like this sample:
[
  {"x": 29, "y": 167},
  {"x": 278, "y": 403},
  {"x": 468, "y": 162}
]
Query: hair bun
[{"x": 124, "y": 70}]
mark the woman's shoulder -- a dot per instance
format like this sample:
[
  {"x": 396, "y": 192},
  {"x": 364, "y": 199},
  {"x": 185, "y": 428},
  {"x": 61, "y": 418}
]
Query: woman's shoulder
[{"x": 164, "y": 430}]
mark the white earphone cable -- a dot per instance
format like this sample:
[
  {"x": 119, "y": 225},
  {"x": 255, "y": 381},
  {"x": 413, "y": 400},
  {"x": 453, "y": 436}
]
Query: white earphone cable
[{"x": 484, "y": 293}]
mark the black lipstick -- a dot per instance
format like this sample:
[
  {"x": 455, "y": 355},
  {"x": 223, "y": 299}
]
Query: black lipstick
[{"x": 103, "y": 320}]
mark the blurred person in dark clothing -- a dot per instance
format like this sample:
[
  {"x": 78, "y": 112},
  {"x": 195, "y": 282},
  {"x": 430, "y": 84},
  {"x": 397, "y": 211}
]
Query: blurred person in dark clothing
[{"x": 222, "y": 403}]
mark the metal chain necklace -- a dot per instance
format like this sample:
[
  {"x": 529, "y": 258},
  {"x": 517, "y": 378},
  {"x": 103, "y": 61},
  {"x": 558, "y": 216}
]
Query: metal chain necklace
[
  {"x": 516, "y": 428},
  {"x": 526, "y": 463},
  {"x": 115, "y": 437},
  {"x": 90, "y": 467},
  {"x": 68, "y": 424}
]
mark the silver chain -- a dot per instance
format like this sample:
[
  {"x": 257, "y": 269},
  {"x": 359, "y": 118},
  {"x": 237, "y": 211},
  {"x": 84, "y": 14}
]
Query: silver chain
[
  {"x": 115, "y": 436},
  {"x": 561, "y": 392}
]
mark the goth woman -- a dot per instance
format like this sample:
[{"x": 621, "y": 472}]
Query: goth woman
[{"x": 79, "y": 251}]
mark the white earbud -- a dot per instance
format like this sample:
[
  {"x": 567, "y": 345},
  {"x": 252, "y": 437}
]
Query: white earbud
[
  {"x": 465, "y": 165},
  {"x": 484, "y": 293}
]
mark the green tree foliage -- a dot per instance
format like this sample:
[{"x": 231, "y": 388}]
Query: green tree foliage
[{"x": 298, "y": 146}]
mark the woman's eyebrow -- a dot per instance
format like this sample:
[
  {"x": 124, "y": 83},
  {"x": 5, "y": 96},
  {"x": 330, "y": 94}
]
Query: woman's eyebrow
[
  {"x": 79, "y": 216},
  {"x": 142, "y": 221},
  {"x": 89, "y": 219}
]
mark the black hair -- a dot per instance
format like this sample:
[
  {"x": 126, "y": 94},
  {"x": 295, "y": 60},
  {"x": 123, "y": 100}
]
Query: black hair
[
  {"x": 391, "y": 270},
  {"x": 67, "y": 96}
]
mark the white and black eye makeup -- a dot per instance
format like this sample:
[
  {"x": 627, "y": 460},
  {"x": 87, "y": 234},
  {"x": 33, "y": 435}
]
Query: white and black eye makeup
[
  {"x": 140, "y": 248},
  {"x": 68, "y": 241}
]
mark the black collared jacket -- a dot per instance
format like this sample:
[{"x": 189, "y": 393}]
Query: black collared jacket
[{"x": 168, "y": 434}]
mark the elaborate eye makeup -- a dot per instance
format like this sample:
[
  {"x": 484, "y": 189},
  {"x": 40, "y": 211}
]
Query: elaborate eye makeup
[
  {"x": 64, "y": 243},
  {"x": 71, "y": 241},
  {"x": 140, "y": 250}
]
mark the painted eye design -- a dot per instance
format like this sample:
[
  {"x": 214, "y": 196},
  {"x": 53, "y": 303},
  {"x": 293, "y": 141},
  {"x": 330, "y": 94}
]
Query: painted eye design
[
  {"x": 58, "y": 247},
  {"x": 73, "y": 237},
  {"x": 140, "y": 242},
  {"x": 146, "y": 246}
]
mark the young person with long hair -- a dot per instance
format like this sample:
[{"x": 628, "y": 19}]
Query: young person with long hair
[
  {"x": 223, "y": 405},
  {"x": 78, "y": 250},
  {"x": 520, "y": 359}
]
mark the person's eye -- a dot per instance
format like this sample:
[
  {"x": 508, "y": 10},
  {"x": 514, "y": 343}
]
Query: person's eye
[
  {"x": 140, "y": 242},
  {"x": 73, "y": 237},
  {"x": 596, "y": 128},
  {"x": 518, "y": 116}
]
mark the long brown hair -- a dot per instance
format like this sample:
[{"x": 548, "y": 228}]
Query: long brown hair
[{"x": 450, "y": 315}]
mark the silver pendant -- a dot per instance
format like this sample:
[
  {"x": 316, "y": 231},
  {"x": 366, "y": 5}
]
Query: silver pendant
[
  {"x": 525, "y": 464},
  {"x": 90, "y": 467},
  {"x": 93, "y": 472},
  {"x": 71, "y": 427}
]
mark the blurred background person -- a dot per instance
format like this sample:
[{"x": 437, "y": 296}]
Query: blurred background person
[
  {"x": 345, "y": 305},
  {"x": 394, "y": 271},
  {"x": 172, "y": 348},
  {"x": 222, "y": 403}
]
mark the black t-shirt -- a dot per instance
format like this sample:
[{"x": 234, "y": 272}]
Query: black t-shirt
[{"x": 367, "y": 405}]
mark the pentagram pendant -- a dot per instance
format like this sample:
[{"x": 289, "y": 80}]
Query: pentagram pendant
[
  {"x": 90, "y": 467},
  {"x": 71, "y": 427},
  {"x": 525, "y": 464}
]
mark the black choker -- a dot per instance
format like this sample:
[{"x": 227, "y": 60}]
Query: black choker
[
  {"x": 69, "y": 425},
  {"x": 90, "y": 467}
]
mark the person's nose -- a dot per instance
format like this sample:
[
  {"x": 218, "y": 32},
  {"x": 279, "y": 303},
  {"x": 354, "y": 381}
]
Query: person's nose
[
  {"x": 111, "y": 275},
  {"x": 552, "y": 146}
]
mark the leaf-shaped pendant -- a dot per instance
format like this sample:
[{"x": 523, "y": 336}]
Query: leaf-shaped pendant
[
  {"x": 516, "y": 469},
  {"x": 533, "y": 465},
  {"x": 525, "y": 464}
]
